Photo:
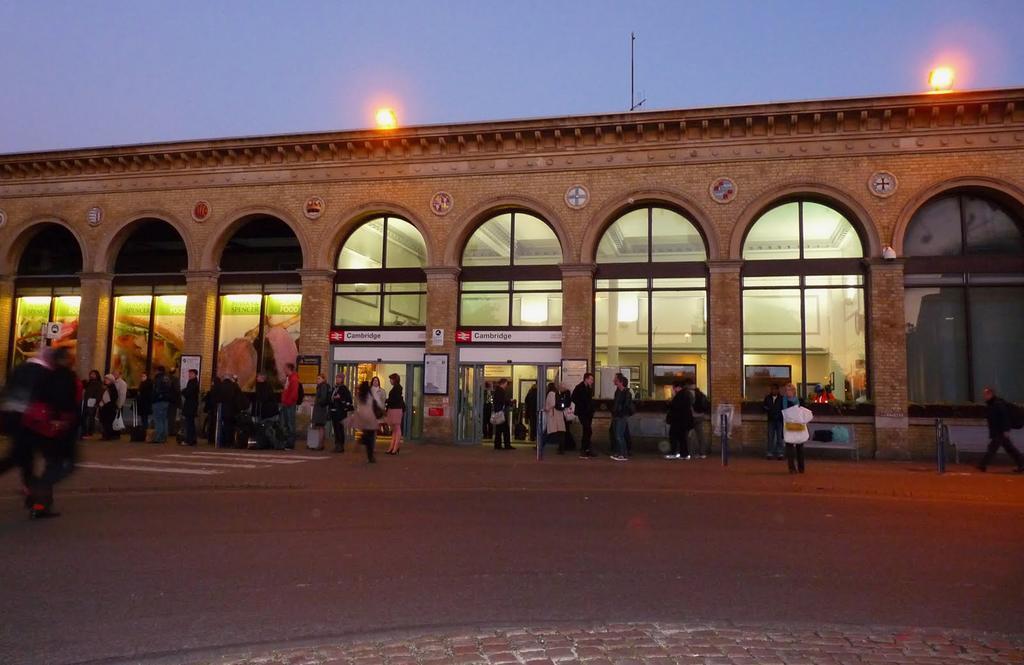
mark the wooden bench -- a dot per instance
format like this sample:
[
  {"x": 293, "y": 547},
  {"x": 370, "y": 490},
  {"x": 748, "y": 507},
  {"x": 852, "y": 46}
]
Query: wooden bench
[{"x": 850, "y": 444}]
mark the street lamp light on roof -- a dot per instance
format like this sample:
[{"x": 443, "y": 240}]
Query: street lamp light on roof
[
  {"x": 386, "y": 118},
  {"x": 941, "y": 79}
]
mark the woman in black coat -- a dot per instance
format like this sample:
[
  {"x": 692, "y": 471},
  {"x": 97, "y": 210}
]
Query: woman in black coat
[
  {"x": 395, "y": 410},
  {"x": 680, "y": 421}
]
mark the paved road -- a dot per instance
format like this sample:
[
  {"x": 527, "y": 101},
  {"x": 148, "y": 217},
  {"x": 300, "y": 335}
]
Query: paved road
[{"x": 147, "y": 562}]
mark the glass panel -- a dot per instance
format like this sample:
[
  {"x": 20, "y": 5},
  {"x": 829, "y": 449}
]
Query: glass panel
[
  {"x": 836, "y": 355},
  {"x": 953, "y": 279},
  {"x": 674, "y": 238},
  {"x": 357, "y": 310},
  {"x": 365, "y": 247},
  {"x": 404, "y": 287},
  {"x": 679, "y": 336},
  {"x": 154, "y": 246},
  {"x": 934, "y": 230},
  {"x": 834, "y": 280},
  {"x": 407, "y": 309},
  {"x": 168, "y": 338},
  {"x": 621, "y": 284},
  {"x": 485, "y": 286},
  {"x": 771, "y": 337},
  {"x": 828, "y": 235},
  {"x": 535, "y": 242},
  {"x": 490, "y": 244},
  {"x": 625, "y": 241},
  {"x": 239, "y": 330},
  {"x": 357, "y": 288},
  {"x": 775, "y": 235},
  {"x": 620, "y": 338},
  {"x": 129, "y": 345},
  {"x": 977, "y": 279},
  {"x": 936, "y": 345},
  {"x": 990, "y": 228},
  {"x": 406, "y": 248},
  {"x": 65, "y": 312},
  {"x": 484, "y": 309},
  {"x": 53, "y": 250},
  {"x": 997, "y": 356},
  {"x": 680, "y": 283},
  {"x": 33, "y": 312},
  {"x": 771, "y": 281},
  {"x": 537, "y": 309},
  {"x": 537, "y": 285},
  {"x": 281, "y": 325}
]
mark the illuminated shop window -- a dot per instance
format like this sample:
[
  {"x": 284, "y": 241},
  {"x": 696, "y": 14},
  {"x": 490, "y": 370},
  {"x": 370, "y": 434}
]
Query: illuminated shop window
[{"x": 258, "y": 333}]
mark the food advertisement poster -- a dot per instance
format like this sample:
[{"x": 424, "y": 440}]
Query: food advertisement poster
[
  {"x": 132, "y": 337},
  {"x": 281, "y": 335},
  {"x": 168, "y": 338},
  {"x": 33, "y": 313},
  {"x": 249, "y": 345},
  {"x": 65, "y": 312}
]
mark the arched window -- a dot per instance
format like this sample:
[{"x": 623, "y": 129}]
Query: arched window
[
  {"x": 147, "y": 326},
  {"x": 260, "y": 314},
  {"x": 46, "y": 289},
  {"x": 380, "y": 280},
  {"x": 964, "y": 298},
  {"x": 804, "y": 319},
  {"x": 651, "y": 303},
  {"x": 510, "y": 275}
]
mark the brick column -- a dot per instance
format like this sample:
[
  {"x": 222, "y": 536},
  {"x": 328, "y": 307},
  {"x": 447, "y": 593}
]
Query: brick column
[
  {"x": 442, "y": 312},
  {"x": 317, "y": 309},
  {"x": 6, "y": 312},
  {"x": 94, "y": 322},
  {"x": 887, "y": 346},
  {"x": 578, "y": 311},
  {"x": 725, "y": 343},
  {"x": 201, "y": 319}
]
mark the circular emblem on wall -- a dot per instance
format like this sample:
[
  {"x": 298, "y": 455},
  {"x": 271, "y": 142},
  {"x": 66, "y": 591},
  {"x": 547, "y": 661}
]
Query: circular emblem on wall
[
  {"x": 882, "y": 184},
  {"x": 576, "y": 197},
  {"x": 723, "y": 190},
  {"x": 441, "y": 203},
  {"x": 201, "y": 211},
  {"x": 94, "y": 215},
  {"x": 314, "y": 207},
  {"x": 3, "y": 218}
]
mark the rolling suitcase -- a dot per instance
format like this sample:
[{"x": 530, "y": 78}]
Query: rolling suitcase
[
  {"x": 315, "y": 438},
  {"x": 136, "y": 429}
]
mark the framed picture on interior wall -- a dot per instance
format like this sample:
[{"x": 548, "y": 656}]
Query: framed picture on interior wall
[{"x": 758, "y": 379}]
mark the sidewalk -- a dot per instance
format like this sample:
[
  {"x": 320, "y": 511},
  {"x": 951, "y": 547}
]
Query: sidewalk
[{"x": 648, "y": 644}]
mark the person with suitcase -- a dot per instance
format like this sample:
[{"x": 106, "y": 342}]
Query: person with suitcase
[{"x": 321, "y": 410}]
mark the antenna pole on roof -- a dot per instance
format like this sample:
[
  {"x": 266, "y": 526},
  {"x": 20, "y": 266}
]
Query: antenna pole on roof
[{"x": 633, "y": 103}]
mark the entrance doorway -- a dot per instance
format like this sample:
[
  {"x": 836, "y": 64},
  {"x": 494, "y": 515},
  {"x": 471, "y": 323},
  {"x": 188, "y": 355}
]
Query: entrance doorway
[
  {"x": 476, "y": 383},
  {"x": 412, "y": 382}
]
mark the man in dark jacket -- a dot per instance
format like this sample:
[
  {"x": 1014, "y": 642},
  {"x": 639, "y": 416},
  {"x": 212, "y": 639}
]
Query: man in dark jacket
[
  {"x": 530, "y": 404},
  {"x": 161, "y": 400},
  {"x": 773, "y": 409},
  {"x": 680, "y": 421},
  {"x": 583, "y": 405},
  {"x": 174, "y": 404},
  {"x": 500, "y": 404},
  {"x": 622, "y": 409},
  {"x": 190, "y": 407},
  {"x": 997, "y": 412},
  {"x": 143, "y": 401}
]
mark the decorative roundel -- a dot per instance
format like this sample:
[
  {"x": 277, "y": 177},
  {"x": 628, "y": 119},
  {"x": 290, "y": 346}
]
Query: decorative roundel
[
  {"x": 201, "y": 211},
  {"x": 723, "y": 190},
  {"x": 3, "y": 218},
  {"x": 577, "y": 197},
  {"x": 314, "y": 207},
  {"x": 441, "y": 203},
  {"x": 883, "y": 184},
  {"x": 94, "y": 215}
]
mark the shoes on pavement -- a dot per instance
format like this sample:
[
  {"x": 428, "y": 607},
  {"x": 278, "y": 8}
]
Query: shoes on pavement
[
  {"x": 39, "y": 511},
  {"x": 619, "y": 458},
  {"x": 705, "y": 457}
]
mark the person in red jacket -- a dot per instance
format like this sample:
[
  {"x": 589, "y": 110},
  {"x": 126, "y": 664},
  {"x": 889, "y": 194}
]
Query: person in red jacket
[{"x": 289, "y": 402}]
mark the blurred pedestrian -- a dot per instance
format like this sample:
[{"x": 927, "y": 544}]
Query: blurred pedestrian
[
  {"x": 792, "y": 432},
  {"x": 1000, "y": 422},
  {"x": 108, "y": 408},
  {"x": 92, "y": 392},
  {"x": 365, "y": 419}
]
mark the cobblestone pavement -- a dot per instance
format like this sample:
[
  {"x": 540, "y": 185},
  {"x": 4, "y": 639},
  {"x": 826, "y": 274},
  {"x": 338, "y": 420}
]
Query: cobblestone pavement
[{"x": 651, "y": 644}]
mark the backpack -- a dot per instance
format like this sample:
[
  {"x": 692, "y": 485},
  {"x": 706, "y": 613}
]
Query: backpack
[
  {"x": 562, "y": 401},
  {"x": 162, "y": 389},
  {"x": 700, "y": 401},
  {"x": 1015, "y": 412}
]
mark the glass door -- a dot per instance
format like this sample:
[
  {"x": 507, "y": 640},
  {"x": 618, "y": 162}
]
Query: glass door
[{"x": 469, "y": 414}]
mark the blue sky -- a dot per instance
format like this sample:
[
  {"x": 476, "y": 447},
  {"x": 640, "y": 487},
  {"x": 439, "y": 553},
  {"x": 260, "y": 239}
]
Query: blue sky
[{"x": 91, "y": 72}]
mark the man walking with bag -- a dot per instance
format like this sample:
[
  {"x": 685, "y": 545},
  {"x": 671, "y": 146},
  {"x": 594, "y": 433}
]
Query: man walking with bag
[{"x": 1000, "y": 416}]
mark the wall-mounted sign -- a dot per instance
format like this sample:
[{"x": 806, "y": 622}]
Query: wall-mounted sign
[
  {"x": 201, "y": 211},
  {"x": 340, "y": 336},
  {"x": 435, "y": 412},
  {"x": 435, "y": 374},
  {"x": 52, "y": 330},
  {"x": 882, "y": 184},
  {"x": 441, "y": 203},
  {"x": 3, "y": 218},
  {"x": 307, "y": 367},
  {"x": 314, "y": 207},
  {"x": 187, "y": 363},
  {"x": 572, "y": 372},
  {"x": 437, "y": 337},
  {"x": 723, "y": 190},
  {"x": 94, "y": 216},
  {"x": 464, "y": 336},
  {"x": 577, "y": 197}
]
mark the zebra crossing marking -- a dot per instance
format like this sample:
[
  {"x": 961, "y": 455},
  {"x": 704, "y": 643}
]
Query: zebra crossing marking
[{"x": 150, "y": 469}]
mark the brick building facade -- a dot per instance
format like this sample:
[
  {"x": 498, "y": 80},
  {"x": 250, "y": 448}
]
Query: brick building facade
[{"x": 877, "y": 160}]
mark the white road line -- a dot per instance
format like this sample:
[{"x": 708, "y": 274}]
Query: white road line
[
  {"x": 269, "y": 456},
  {"x": 174, "y": 461},
  {"x": 213, "y": 457},
  {"x": 153, "y": 469}
]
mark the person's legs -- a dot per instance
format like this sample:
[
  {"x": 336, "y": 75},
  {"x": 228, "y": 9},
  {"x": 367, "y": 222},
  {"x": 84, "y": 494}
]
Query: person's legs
[
  {"x": 674, "y": 443},
  {"x": 800, "y": 457},
  {"x": 370, "y": 440},
  {"x": 338, "y": 425},
  {"x": 396, "y": 438},
  {"x": 773, "y": 440},
  {"x": 504, "y": 432},
  {"x": 288, "y": 423},
  {"x": 619, "y": 436},
  {"x": 190, "y": 430},
  {"x": 790, "y": 460},
  {"x": 1012, "y": 451},
  {"x": 159, "y": 422},
  {"x": 990, "y": 452},
  {"x": 588, "y": 431},
  {"x": 627, "y": 437}
]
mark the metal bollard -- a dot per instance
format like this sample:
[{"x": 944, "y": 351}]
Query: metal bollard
[
  {"x": 941, "y": 436},
  {"x": 723, "y": 425},
  {"x": 216, "y": 428}
]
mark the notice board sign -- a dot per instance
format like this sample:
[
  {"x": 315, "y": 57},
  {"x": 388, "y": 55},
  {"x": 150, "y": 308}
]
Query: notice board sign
[
  {"x": 307, "y": 368},
  {"x": 572, "y": 372},
  {"x": 186, "y": 363},
  {"x": 435, "y": 373}
]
